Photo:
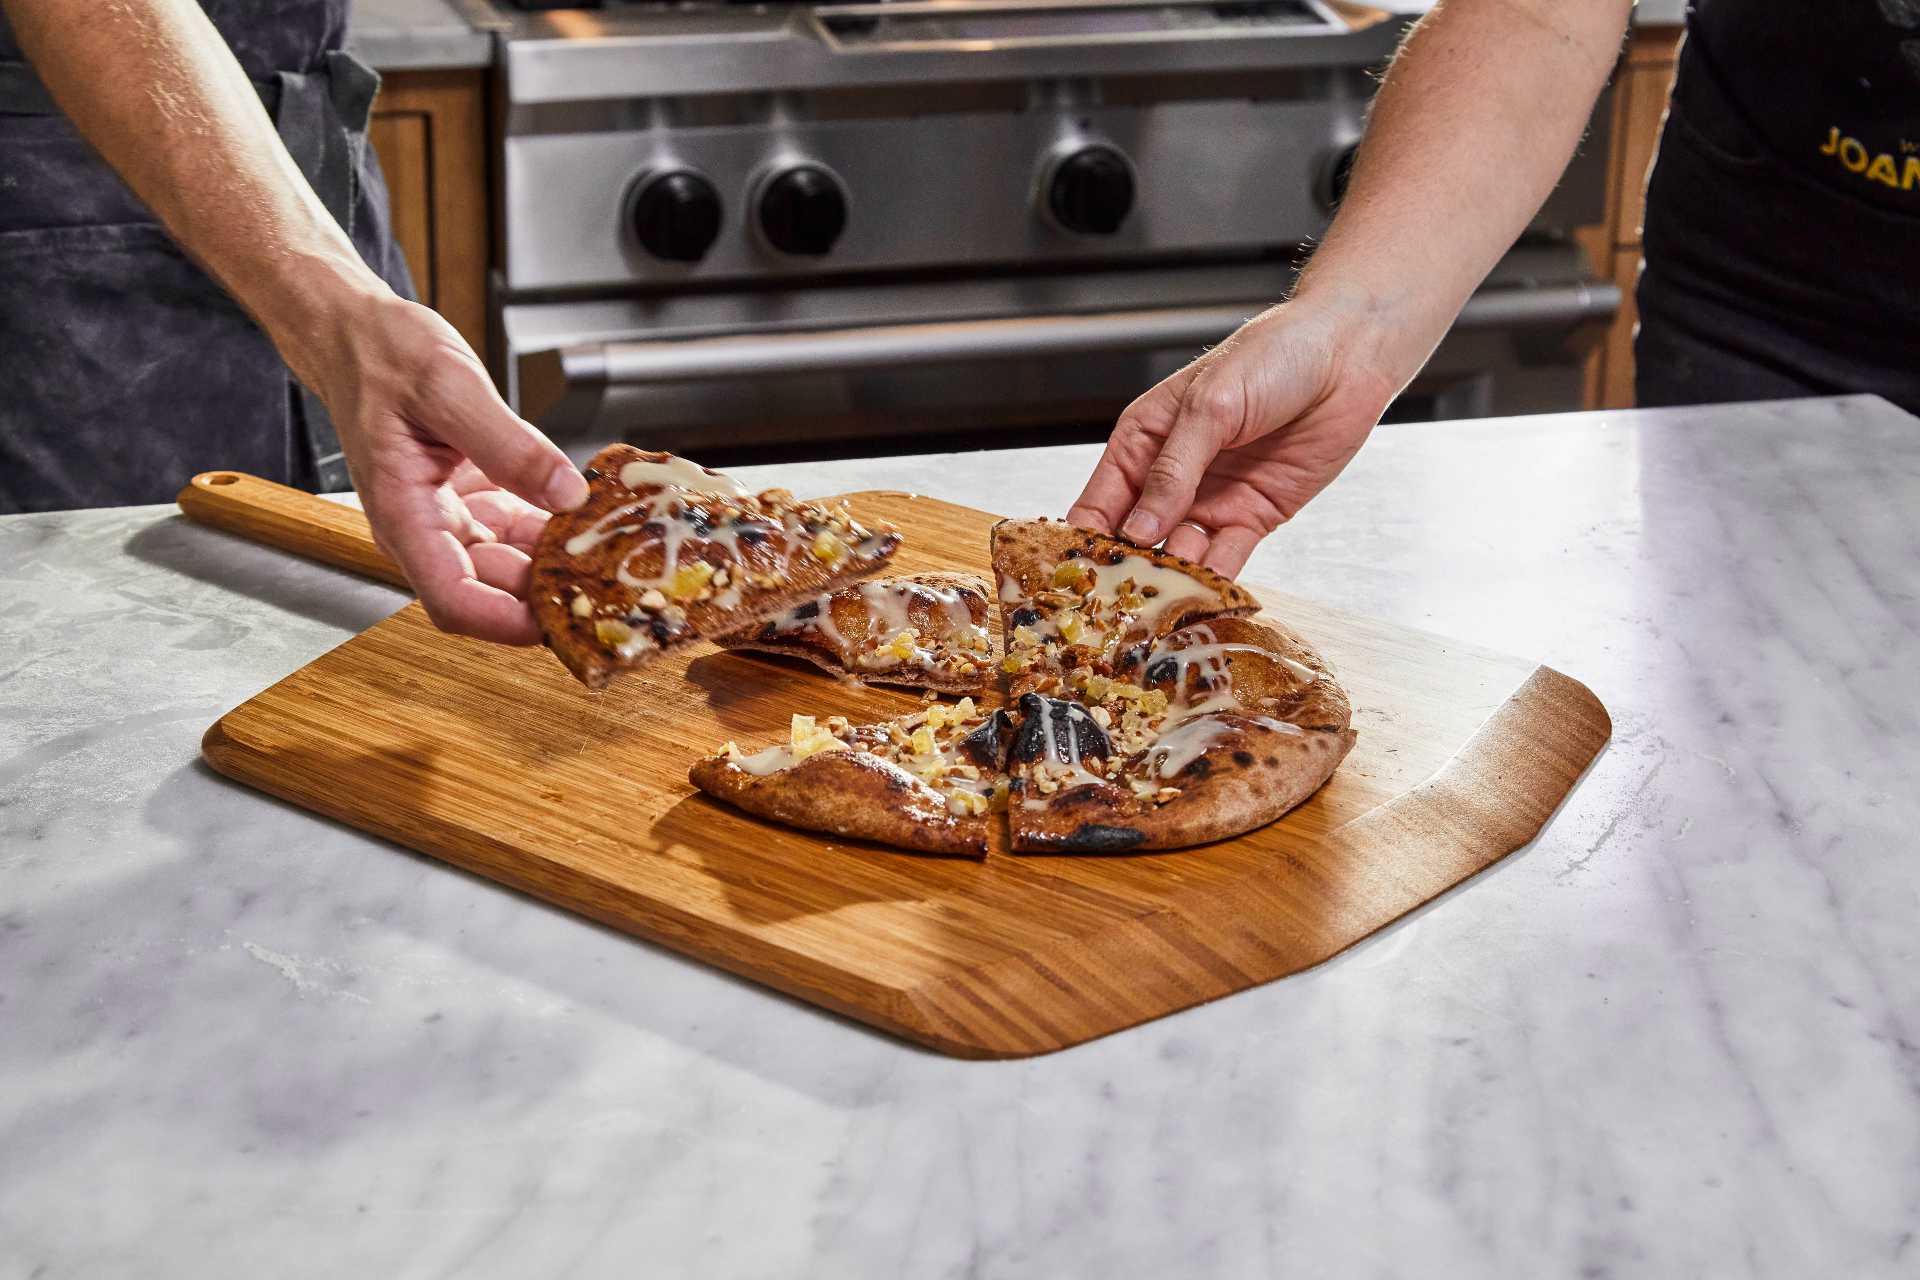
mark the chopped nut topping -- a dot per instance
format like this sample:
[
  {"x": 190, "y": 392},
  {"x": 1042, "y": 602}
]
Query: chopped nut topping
[
  {"x": 652, "y": 599},
  {"x": 689, "y": 580},
  {"x": 582, "y": 605}
]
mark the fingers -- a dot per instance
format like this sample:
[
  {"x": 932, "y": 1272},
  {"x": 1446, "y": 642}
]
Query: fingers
[
  {"x": 460, "y": 407},
  {"x": 511, "y": 520},
  {"x": 1108, "y": 495},
  {"x": 503, "y": 568},
  {"x": 1135, "y": 441},
  {"x": 422, "y": 526},
  {"x": 444, "y": 575},
  {"x": 1211, "y": 413},
  {"x": 1187, "y": 541},
  {"x": 1227, "y": 553}
]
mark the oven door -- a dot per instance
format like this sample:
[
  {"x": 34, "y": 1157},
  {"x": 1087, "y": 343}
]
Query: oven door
[{"x": 984, "y": 362}]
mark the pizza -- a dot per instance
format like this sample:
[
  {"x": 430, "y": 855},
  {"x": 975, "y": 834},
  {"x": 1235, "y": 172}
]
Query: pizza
[
  {"x": 1215, "y": 729},
  {"x": 665, "y": 552},
  {"x": 926, "y": 781},
  {"x": 1145, "y": 710},
  {"x": 1071, "y": 597},
  {"x": 924, "y": 630}
]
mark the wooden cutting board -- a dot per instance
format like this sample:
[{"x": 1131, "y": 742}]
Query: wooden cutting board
[{"x": 495, "y": 760}]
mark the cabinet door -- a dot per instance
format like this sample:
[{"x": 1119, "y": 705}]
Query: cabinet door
[
  {"x": 1640, "y": 108},
  {"x": 429, "y": 128}
]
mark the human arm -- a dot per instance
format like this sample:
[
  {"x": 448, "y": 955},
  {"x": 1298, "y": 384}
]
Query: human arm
[
  {"x": 452, "y": 480},
  {"x": 1477, "y": 118}
]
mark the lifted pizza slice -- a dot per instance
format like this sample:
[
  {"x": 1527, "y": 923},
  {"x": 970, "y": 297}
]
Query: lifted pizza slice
[
  {"x": 665, "y": 552},
  {"x": 1071, "y": 597},
  {"x": 924, "y": 630}
]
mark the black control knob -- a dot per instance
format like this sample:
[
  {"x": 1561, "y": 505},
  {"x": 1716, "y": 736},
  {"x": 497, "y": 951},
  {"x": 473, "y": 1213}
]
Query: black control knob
[
  {"x": 803, "y": 210},
  {"x": 1091, "y": 191},
  {"x": 676, "y": 215}
]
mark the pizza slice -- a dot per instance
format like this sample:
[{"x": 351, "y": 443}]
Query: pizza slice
[
  {"x": 924, "y": 630},
  {"x": 1213, "y": 730},
  {"x": 1070, "y": 597},
  {"x": 928, "y": 781},
  {"x": 666, "y": 552}
]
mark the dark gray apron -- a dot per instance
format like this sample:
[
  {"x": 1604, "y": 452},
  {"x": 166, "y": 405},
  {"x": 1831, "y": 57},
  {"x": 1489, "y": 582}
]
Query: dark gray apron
[
  {"x": 124, "y": 369},
  {"x": 1780, "y": 262}
]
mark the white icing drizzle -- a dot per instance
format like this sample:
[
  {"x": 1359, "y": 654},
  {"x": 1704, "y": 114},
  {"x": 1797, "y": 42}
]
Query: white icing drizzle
[
  {"x": 676, "y": 531},
  {"x": 1066, "y": 768},
  {"x": 888, "y": 603},
  {"x": 1180, "y": 746},
  {"x": 1306, "y": 673},
  {"x": 1188, "y": 738},
  {"x": 1171, "y": 587},
  {"x": 771, "y": 760},
  {"x": 821, "y": 620},
  {"x": 781, "y": 756},
  {"x": 1193, "y": 726},
  {"x": 683, "y": 473}
]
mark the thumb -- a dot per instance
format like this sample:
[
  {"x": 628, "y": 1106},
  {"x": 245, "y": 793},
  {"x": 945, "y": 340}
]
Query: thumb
[
  {"x": 462, "y": 409},
  {"x": 1209, "y": 415}
]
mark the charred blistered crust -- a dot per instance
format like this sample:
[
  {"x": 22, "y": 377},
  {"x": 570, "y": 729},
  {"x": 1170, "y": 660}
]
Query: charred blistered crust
[
  {"x": 1054, "y": 728},
  {"x": 987, "y": 745},
  {"x": 1094, "y": 837}
]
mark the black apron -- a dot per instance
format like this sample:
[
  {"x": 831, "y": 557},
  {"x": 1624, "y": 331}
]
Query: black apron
[
  {"x": 1782, "y": 235},
  {"x": 124, "y": 369}
]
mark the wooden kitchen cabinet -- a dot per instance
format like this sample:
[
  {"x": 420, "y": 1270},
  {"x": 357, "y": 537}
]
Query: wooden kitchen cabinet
[
  {"x": 1639, "y": 108},
  {"x": 429, "y": 128}
]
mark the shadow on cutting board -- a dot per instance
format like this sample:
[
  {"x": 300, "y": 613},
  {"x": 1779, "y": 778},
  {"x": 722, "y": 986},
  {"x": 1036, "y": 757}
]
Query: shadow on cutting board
[
  {"x": 744, "y": 699},
  {"x": 686, "y": 830}
]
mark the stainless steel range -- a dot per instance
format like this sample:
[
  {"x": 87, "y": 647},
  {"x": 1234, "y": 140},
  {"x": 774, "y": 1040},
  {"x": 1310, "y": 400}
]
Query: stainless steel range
[{"x": 729, "y": 225}]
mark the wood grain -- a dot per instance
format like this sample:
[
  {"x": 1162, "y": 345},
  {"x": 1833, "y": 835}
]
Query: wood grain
[
  {"x": 1641, "y": 90},
  {"x": 497, "y": 761},
  {"x": 290, "y": 519}
]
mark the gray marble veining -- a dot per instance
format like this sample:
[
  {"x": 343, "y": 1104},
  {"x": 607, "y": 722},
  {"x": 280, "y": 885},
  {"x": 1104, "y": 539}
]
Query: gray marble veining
[{"x": 1677, "y": 1036}]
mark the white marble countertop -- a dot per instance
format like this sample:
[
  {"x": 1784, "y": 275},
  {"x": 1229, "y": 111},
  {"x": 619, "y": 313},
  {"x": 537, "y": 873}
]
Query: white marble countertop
[{"x": 1677, "y": 1036}]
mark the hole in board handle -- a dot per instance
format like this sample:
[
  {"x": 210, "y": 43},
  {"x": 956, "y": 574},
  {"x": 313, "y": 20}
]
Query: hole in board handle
[{"x": 223, "y": 477}]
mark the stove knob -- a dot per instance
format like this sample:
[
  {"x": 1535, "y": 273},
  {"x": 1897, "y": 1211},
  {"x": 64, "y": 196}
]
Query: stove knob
[
  {"x": 803, "y": 210},
  {"x": 676, "y": 215},
  {"x": 1091, "y": 190}
]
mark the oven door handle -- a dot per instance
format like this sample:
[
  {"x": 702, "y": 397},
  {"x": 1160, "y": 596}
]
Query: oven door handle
[{"x": 546, "y": 378}]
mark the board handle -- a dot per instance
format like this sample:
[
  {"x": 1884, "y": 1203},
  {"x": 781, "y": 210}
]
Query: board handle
[{"x": 290, "y": 519}]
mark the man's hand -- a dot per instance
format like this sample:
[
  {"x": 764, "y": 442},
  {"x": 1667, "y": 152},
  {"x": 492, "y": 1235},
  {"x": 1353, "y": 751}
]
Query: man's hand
[
  {"x": 453, "y": 481},
  {"x": 1473, "y": 125},
  {"x": 1218, "y": 455},
  {"x": 456, "y": 486}
]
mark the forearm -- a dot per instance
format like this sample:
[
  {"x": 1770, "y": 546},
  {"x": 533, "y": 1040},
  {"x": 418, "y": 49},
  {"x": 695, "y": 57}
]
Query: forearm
[
  {"x": 155, "y": 90},
  {"x": 1476, "y": 120}
]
